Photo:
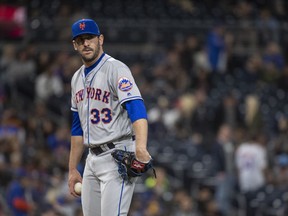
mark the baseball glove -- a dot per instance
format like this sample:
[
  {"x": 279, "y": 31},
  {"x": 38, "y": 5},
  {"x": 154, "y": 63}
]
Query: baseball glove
[{"x": 129, "y": 166}]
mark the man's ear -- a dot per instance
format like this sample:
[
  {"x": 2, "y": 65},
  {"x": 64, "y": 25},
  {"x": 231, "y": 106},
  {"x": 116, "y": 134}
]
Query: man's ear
[
  {"x": 74, "y": 45},
  {"x": 101, "y": 39}
]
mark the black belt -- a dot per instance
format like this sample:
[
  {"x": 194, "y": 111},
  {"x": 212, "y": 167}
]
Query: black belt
[{"x": 104, "y": 147}]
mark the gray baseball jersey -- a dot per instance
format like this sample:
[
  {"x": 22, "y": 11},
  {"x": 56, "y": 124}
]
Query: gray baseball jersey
[{"x": 98, "y": 97}]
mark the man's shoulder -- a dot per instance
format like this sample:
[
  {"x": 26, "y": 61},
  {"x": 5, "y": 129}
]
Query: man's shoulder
[
  {"x": 114, "y": 62},
  {"x": 77, "y": 73}
]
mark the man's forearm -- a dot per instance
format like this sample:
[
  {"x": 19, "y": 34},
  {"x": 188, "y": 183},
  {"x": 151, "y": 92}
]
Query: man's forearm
[
  {"x": 77, "y": 149},
  {"x": 141, "y": 132}
]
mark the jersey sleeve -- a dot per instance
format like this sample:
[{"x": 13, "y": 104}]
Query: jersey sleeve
[
  {"x": 136, "y": 110},
  {"x": 73, "y": 99},
  {"x": 126, "y": 86},
  {"x": 76, "y": 129}
]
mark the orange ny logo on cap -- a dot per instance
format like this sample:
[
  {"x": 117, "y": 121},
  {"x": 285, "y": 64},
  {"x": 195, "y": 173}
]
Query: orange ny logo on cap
[{"x": 82, "y": 26}]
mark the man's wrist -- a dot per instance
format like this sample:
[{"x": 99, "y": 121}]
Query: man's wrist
[{"x": 72, "y": 169}]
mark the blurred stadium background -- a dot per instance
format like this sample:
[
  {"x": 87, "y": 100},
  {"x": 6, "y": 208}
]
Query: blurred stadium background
[{"x": 213, "y": 74}]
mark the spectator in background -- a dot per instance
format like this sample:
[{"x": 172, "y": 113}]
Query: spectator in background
[
  {"x": 186, "y": 207},
  {"x": 251, "y": 163},
  {"x": 43, "y": 60},
  {"x": 65, "y": 73},
  {"x": 17, "y": 194},
  {"x": 162, "y": 117},
  {"x": 201, "y": 121},
  {"x": 138, "y": 72},
  {"x": 273, "y": 63},
  {"x": 279, "y": 150},
  {"x": 282, "y": 82},
  {"x": 39, "y": 124},
  {"x": 184, "y": 204},
  {"x": 201, "y": 79},
  {"x": 186, "y": 107},
  {"x": 228, "y": 112},
  {"x": 49, "y": 89},
  {"x": 243, "y": 10},
  {"x": 281, "y": 140},
  {"x": 58, "y": 197},
  {"x": 226, "y": 178},
  {"x": 153, "y": 208},
  {"x": 273, "y": 54},
  {"x": 253, "y": 119},
  {"x": 59, "y": 144},
  {"x": 161, "y": 185},
  {"x": 281, "y": 170},
  {"x": 12, "y": 127},
  {"x": 214, "y": 159},
  {"x": 216, "y": 49},
  {"x": 206, "y": 204},
  {"x": 268, "y": 27},
  {"x": 252, "y": 69},
  {"x": 21, "y": 75},
  {"x": 60, "y": 139},
  {"x": 7, "y": 60},
  {"x": 171, "y": 71},
  {"x": 48, "y": 85},
  {"x": 191, "y": 46}
]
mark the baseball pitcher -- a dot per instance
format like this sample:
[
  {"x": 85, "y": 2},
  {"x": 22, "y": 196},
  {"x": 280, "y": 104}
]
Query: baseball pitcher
[{"x": 109, "y": 118}]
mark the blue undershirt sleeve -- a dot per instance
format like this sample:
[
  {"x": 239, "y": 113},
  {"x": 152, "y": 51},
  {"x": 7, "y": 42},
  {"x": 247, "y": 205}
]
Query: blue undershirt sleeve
[
  {"x": 136, "y": 110},
  {"x": 76, "y": 129}
]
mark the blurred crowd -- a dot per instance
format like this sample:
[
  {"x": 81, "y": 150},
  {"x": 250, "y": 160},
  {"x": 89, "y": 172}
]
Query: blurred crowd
[{"x": 217, "y": 107}]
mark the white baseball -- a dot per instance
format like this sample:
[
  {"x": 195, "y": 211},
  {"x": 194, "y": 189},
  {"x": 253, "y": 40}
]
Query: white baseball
[{"x": 78, "y": 187}]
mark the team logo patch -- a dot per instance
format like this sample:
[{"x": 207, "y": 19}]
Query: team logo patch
[
  {"x": 82, "y": 25},
  {"x": 124, "y": 84}
]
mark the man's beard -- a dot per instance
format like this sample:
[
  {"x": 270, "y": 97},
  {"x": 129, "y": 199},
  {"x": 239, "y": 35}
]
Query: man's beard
[{"x": 91, "y": 59}]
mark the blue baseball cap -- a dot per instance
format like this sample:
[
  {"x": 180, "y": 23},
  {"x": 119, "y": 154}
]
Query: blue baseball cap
[{"x": 85, "y": 26}]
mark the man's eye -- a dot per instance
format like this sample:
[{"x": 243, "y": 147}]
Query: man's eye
[{"x": 78, "y": 40}]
